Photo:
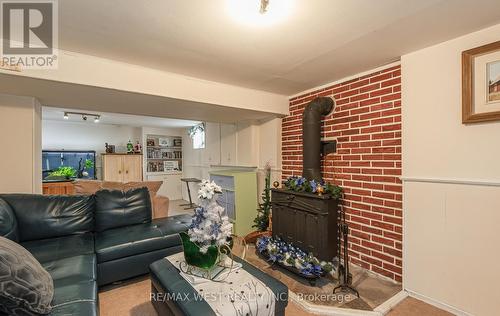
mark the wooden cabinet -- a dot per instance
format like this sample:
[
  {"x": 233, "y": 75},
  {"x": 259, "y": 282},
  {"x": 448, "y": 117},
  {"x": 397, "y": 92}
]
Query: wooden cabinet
[
  {"x": 228, "y": 144},
  {"x": 58, "y": 188},
  {"x": 121, "y": 167},
  {"x": 211, "y": 153},
  {"x": 247, "y": 144}
]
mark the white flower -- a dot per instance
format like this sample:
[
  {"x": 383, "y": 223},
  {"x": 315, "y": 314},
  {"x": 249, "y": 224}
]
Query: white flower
[
  {"x": 215, "y": 227},
  {"x": 208, "y": 189}
]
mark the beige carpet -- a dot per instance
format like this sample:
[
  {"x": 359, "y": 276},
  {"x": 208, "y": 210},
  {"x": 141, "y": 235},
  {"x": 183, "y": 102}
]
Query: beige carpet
[{"x": 132, "y": 298}]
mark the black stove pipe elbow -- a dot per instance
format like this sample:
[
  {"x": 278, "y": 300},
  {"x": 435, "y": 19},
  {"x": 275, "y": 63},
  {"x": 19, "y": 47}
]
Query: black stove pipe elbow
[{"x": 311, "y": 136}]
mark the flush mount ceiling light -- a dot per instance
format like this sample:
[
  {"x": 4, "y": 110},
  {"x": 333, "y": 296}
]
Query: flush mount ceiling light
[
  {"x": 259, "y": 12},
  {"x": 84, "y": 116}
]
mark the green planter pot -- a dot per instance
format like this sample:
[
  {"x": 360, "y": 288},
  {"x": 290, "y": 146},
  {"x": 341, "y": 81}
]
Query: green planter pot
[{"x": 195, "y": 257}]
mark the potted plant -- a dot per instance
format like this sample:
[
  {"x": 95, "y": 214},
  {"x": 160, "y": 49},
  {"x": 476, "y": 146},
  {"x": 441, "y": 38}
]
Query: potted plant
[{"x": 209, "y": 236}]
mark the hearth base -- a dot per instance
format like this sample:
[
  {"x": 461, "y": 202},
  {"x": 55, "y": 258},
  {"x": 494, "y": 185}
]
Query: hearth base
[
  {"x": 310, "y": 278},
  {"x": 374, "y": 290}
]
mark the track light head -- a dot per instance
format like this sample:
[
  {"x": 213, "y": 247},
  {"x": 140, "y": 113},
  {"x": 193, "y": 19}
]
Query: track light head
[
  {"x": 96, "y": 119},
  {"x": 84, "y": 117},
  {"x": 66, "y": 116}
]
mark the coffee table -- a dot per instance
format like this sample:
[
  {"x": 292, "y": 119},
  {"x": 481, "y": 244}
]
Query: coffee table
[{"x": 171, "y": 294}]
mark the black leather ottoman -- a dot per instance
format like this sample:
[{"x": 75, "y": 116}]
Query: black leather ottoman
[{"x": 167, "y": 282}]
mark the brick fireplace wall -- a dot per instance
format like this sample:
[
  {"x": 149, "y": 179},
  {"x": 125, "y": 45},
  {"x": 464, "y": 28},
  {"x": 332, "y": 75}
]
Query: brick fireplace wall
[{"x": 367, "y": 125}]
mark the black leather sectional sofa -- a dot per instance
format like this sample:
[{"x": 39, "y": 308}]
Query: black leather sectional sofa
[{"x": 88, "y": 241}]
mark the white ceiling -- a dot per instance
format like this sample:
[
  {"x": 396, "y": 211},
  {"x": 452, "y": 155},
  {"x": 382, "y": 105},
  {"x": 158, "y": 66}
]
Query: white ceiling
[
  {"x": 319, "y": 42},
  {"x": 57, "y": 114}
]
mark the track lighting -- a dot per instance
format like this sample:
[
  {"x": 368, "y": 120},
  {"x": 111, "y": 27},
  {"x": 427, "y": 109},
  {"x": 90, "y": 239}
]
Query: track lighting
[{"x": 84, "y": 116}]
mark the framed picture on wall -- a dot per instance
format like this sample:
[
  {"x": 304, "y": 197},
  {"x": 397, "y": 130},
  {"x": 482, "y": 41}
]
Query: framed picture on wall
[{"x": 481, "y": 84}]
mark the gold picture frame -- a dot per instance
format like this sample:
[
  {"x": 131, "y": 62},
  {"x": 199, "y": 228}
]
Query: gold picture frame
[{"x": 481, "y": 84}]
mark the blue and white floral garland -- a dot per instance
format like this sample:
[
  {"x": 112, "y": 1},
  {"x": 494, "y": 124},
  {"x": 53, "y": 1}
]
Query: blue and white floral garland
[
  {"x": 279, "y": 251},
  {"x": 301, "y": 184}
]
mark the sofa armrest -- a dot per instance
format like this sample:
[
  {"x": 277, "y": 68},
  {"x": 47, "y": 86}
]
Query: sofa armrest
[
  {"x": 160, "y": 206},
  {"x": 8, "y": 222}
]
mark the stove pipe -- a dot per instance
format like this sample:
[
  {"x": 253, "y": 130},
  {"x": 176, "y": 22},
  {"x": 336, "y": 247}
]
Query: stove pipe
[{"x": 311, "y": 136}]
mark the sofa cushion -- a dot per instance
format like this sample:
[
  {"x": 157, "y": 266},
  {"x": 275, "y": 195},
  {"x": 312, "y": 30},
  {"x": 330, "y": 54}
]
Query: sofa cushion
[
  {"x": 8, "y": 222},
  {"x": 118, "y": 208},
  {"x": 137, "y": 239},
  {"x": 25, "y": 287},
  {"x": 47, "y": 216},
  {"x": 76, "y": 308},
  {"x": 46, "y": 250},
  {"x": 72, "y": 294},
  {"x": 72, "y": 270}
]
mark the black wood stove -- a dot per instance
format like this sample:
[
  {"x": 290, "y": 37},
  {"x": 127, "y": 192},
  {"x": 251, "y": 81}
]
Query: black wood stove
[{"x": 306, "y": 220}]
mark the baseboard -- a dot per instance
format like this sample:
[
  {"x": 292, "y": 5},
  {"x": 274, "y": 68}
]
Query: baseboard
[
  {"x": 386, "y": 306},
  {"x": 438, "y": 304},
  {"x": 328, "y": 310}
]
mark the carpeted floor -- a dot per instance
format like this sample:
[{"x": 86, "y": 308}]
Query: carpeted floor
[{"x": 131, "y": 298}]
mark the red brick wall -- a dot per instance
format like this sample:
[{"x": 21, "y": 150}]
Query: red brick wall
[{"x": 367, "y": 125}]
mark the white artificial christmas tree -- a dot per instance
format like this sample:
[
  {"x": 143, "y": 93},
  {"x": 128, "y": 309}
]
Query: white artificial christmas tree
[{"x": 210, "y": 225}]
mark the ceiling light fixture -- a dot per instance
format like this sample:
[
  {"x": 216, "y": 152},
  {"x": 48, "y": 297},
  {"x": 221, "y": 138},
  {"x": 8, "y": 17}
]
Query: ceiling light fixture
[
  {"x": 259, "y": 13},
  {"x": 263, "y": 6},
  {"x": 97, "y": 117}
]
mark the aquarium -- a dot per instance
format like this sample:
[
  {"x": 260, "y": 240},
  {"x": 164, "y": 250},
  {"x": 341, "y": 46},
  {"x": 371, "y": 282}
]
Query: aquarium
[{"x": 69, "y": 164}]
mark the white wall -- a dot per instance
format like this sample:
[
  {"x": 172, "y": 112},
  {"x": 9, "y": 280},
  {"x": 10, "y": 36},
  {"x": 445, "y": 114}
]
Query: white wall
[
  {"x": 451, "y": 176},
  {"x": 257, "y": 143},
  {"x": 20, "y": 140},
  {"x": 66, "y": 135}
]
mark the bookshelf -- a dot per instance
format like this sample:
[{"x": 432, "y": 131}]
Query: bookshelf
[{"x": 163, "y": 154}]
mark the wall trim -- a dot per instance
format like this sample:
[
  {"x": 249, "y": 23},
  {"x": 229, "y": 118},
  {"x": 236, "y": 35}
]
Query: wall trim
[
  {"x": 438, "y": 304},
  {"x": 479, "y": 182},
  {"x": 360, "y": 74},
  {"x": 380, "y": 310},
  {"x": 328, "y": 310},
  {"x": 388, "y": 305}
]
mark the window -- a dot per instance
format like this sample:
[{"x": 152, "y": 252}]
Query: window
[{"x": 197, "y": 134}]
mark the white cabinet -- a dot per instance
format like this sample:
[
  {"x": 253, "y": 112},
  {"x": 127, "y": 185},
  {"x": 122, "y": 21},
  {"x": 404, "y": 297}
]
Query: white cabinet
[
  {"x": 248, "y": 144},
  {"x": 211, "y": 153},
  {"x": 228, "y": 144},
  {"x": 171, "y": 186}
]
